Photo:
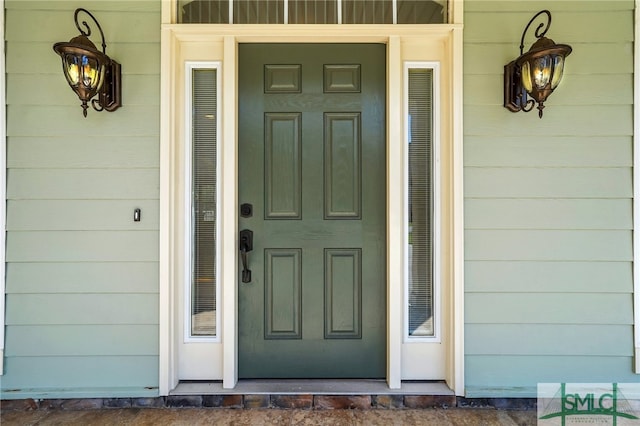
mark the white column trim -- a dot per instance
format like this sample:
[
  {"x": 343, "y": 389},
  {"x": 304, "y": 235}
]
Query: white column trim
[
  {"x": 229, "y": 219},
  {"x": 636, "y": 188},
  {"x": 167, "y": 356},
  {"x": 456, "y": 375},
  {"x": 3, "y": 185},
  {"x": 395, "y": 217},
  {"x": 400, "y": 40},
  {"x": 168, "y": 11},
  {"x": 456, "y": 11}
]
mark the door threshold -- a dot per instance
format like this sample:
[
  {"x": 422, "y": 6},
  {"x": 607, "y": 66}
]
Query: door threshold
[{"x": 312, "y": 387}]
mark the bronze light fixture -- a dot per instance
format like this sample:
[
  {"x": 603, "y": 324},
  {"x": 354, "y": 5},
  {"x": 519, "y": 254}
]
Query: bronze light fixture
[
  {"x": 88, "y": 71},
  {"x": 536, "y": 73}
]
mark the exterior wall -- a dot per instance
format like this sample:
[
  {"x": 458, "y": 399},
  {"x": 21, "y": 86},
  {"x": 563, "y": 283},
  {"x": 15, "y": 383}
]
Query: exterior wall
[
  {"x": 82, "y": 277},
  {"x": 548, "y": 203},
  {"x": 548, "y": 208}
]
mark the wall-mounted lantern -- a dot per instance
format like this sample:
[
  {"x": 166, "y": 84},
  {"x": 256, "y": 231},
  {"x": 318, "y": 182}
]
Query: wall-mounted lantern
[
  {"x": 536, "y": 73},
  {"x": 89, "y": 71}
]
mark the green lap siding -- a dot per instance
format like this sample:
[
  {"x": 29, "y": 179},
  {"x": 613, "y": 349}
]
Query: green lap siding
[
  {"x": 548, "y": 206},
  {"x": 516, "y": 376},
  {"x": 82, "y": 277},
  {"x": 548, "y": 203}
]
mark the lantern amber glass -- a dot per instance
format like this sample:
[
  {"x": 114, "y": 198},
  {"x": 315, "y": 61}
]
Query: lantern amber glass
[
  {"x": 541, "y": 68},
  {"x": 558, "y": 69}
]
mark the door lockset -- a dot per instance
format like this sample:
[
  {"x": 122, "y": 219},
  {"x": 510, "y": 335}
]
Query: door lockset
[
  {"x": 246, "y": 210},
  {"x": 246, "y": 245}
]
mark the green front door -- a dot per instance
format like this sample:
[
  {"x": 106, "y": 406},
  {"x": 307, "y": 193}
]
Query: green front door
[{"x": 312, "y": 168}]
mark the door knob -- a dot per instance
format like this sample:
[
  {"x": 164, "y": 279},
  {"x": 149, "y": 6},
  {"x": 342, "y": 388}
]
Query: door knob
[{"x": 246, "y": 245}]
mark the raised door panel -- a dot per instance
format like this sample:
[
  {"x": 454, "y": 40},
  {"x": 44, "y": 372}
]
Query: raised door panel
[
  {"x": 342, "y": 166},
  {"x": 343, "y": 294},
  {"x": 283, "y": 293},
  {"x": 282, "y": 166}
]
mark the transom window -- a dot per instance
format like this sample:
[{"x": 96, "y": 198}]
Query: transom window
[{"x": 312, "y": 11}]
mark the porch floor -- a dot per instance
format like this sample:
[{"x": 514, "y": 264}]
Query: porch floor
[{"x": 313, "y": 387}]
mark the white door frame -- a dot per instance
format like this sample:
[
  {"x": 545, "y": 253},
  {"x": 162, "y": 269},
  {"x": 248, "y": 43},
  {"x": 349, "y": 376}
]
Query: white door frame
[{"x": 442, "y": 43}]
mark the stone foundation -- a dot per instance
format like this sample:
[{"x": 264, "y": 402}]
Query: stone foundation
[{"x": 304, "y": 401}]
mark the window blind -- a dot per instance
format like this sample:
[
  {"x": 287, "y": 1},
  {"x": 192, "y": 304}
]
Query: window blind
[
  {"x": 367, "y": 12},
  {"x": 204, "y": 122},
  {"x": 420, "y": 297},
  {"x": 312, "y": 11},
  {"x": 258, "y": 11}
]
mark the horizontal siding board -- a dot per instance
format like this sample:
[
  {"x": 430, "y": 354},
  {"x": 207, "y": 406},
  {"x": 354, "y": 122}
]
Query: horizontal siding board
[
  {"x": 548, "y": 182},
  {"x": 82, "y": 277},
  {"x": 86, "y": 277},
  {"x": 85, "y": 215},
  {"x": 135, "y": 58},
  {"x": 588, "y": 120},
  {"x": 58, "y": 25},
  {"x": 527, "y": 371},
  {"x": 39, "y": 57},
  {"x": 82, "y": 246},
  {"x": 548, "y": 277},
  {"x": 96, "y": 6},
  {"x": 81, "y": 340},
  {"x": 96, "y": 392},
  {"x": 86, "y": 309},
  {"x": 490, "y": 58},
  {"x": 142, "y": 89},
  {"x": 548, "y": 203},
  {"x": 480, "y": 391},
  {"x": 52, "y": 89},
  {"x": 569, "y": 214},
  {"x": 31, "y": 373},
  {"x": 45, "y": 89},
  {"x": 575, "y": 89},
  {"x": 540, "y": 308},
  {"x": 548, "y": 339},
  {"x": 567, "y": 27},
  {"x": 550, "y": 151},
  {"x": 43, "y": 120},
  {"x": 577, "y": 245},
  {"x": 73, "y": 153},
  {"x": 498, "y": 6},
  {"x": 77, "y": 184}
]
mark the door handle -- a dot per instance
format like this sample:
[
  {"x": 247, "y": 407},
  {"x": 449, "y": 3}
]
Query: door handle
[{"x": 246, "y": 245}]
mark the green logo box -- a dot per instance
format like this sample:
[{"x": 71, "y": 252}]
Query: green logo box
[{"x": 616, "y": 404}]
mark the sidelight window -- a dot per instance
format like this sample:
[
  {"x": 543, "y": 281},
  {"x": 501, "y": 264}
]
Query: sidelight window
[
  {"x": 421, "y": 309},
  {"x": 202, "y": 290},
  {"x": 312, "y": 11}
]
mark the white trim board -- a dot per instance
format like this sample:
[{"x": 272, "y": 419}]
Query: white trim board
[
  {"x": 194, "y": 351},
  {"x": 185, "y": 43},
  {"x": 190, "y": 66},
  {"x": 435, "y": 208},
  {"x": 3, "y": 185},
  {"x": 636, "y": 188}
]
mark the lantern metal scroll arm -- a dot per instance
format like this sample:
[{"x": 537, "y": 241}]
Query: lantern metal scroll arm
[
  {"x": 534, "y": 75},
  {"x": 537, "y": 33},
  {"x": 528, "y": 104},
  {"x": 95, "y": 103},
  {"x": 87, "y": 33}
]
